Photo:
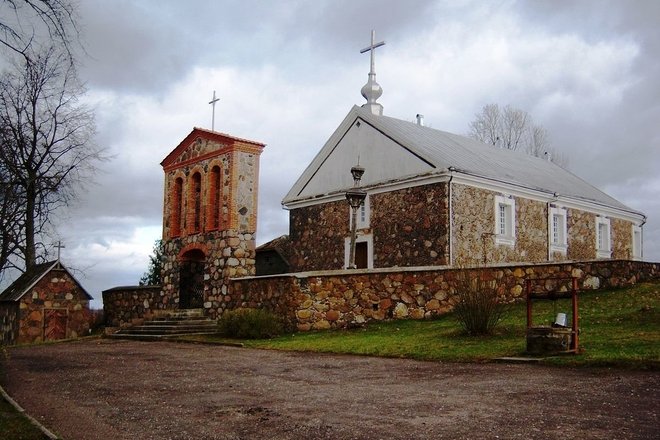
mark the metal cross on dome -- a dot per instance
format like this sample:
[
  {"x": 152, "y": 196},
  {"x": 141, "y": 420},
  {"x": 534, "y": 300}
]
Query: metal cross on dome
[{"x": 372, "y": 49}]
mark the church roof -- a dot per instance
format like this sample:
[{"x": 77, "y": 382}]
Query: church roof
[
  {"x": 27, "y": 281},
  {"x": 424, "y": 151}
]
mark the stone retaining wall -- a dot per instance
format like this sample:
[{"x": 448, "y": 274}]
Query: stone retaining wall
[
  {"x": 129, "y": 305},
  {"x": 341, "y": 299}
]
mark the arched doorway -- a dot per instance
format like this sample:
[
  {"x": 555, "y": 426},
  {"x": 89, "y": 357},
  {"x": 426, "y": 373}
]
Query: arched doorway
[{"x": 191, "y": 279}]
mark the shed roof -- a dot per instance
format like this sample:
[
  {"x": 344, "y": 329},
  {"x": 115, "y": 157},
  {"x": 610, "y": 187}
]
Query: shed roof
[{"x": 28, "y": 279}]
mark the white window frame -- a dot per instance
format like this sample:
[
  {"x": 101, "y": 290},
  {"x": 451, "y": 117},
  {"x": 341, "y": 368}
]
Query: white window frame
[
  {"x": 363, "y": 215},
  {"x": 360, "y": 239},
  {"x": 508, "y": 224},
  {"x": 557, "y": 231},
  {"x": 603, "y": 242},
  {"x": 637, "y": 238}
]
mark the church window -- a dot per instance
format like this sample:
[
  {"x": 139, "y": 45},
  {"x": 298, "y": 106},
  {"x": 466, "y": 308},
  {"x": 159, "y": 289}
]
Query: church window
[
  {"x": 557, "y": 230},
  {"x": 214, "y": 198},
  {"x": 363, "y": 214},
  {"x": 603, "y": 239},
  {"x": 196, "y": 193},
  {"x": 176, "y": 207},
  {"x": 505, "y": 220}
]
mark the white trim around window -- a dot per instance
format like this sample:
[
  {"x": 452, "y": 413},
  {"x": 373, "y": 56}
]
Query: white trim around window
[
  {"x": 557, "y": 230},
  {"x": 637, "y": 253},
  {"x": 360, "y": 239},
  {"x": 505, "y": 220},
  {"x": 603, "y": 238}
]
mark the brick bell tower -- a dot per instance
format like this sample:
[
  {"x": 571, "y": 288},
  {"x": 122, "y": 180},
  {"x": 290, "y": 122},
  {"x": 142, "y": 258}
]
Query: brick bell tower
[{"x": 209, "y": 218}]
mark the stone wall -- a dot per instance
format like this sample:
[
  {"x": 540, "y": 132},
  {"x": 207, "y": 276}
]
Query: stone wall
[
  {"x": 227, "y": 254},
  {"x": 581, "y": 235},
  {"x": 622, "y": 239},
  {"x": 130, "y": 305},
  {"x": 343, "y": 299},
  {"x": 317, "y": 236},
  {"x": 8, "y": 323},
  {"x": 410, "y": 226},
  {"x": 56, "y": 290},
  {"x": 473, "y": 239}
]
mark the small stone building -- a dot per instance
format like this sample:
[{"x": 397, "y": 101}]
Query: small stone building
[
  {"x": 273, "y": 256},
  {"x": 45, "y": 303},
  {"x": 209, "y": 218},
  {"x": 440, "y": 199}
]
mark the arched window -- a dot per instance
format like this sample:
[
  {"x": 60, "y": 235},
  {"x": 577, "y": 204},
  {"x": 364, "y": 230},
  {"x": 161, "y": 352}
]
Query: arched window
[
  {"x": 215, "y": 195},
  {"x": 176, "y": 207},
  {"x": 196, "y": 199}
]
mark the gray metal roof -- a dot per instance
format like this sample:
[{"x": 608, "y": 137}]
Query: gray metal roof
[{"x": 443, "y": 150}]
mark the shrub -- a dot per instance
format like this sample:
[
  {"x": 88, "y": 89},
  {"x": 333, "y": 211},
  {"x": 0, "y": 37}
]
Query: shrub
[
  {"x": 250, "y": 324},
  {"x": 478, "y": 307}
]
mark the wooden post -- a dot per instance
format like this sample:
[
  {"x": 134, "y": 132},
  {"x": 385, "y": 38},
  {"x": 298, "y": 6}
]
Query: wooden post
[
  {"x": 576, "y": 338},
  {"x": 528, "y": 287}
]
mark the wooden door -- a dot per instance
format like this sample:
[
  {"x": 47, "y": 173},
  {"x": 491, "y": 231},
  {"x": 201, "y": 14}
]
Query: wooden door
[
  {"x": 362, "y": 255},
  {"x": 54, "y": 324}
]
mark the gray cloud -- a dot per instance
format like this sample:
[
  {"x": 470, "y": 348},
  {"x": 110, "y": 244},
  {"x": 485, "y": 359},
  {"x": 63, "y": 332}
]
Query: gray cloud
[{"x": 287, "y": 73}]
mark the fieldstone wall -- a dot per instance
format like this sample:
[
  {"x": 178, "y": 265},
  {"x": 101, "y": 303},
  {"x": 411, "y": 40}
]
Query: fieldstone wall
[
  {"x": 581, "y": 235},
  {"x": 473, "y": 237},
  {"x": 317, "y": 236},
  {"x": 56, "y": 290},
  {"x": 8, "y": 323},
  {"x": 341, "y": 299},
  {"x": 410, "y": 226},
  {"x": 228, "y": 254},
  {"x": 622, "y": 241},
  {"x": 131, "y": 305}
]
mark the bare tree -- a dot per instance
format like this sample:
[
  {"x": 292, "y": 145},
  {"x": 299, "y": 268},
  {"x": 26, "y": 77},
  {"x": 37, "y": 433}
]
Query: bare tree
[
  {"x": 24, "y": 22},
  {"x": 513, "y": 129},
  {"x": 46, "y": 147}
]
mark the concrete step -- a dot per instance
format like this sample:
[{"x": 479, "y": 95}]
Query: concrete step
[{"x": 177, "y": 323}]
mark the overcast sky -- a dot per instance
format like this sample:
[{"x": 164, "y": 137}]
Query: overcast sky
[{"x": 287, "y": 73}]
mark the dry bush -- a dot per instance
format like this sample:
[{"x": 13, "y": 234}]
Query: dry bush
[{"x": 478, "y": 307}]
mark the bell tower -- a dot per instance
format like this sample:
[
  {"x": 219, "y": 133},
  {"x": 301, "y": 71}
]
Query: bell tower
[{"x": 209, "y": 217}]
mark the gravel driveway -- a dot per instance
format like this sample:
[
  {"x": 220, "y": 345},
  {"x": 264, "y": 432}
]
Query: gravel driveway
[{"x": 109, "y": 389}]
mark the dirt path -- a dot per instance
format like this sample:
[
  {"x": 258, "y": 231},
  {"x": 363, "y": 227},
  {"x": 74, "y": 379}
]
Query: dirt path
[{"x": 102, "y": 389}]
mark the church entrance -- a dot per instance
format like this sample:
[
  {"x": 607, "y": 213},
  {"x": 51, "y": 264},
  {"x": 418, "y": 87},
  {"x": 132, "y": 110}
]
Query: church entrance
[
  {"x": 362, "y": 255},
  {"x": 191, "y": 280}
]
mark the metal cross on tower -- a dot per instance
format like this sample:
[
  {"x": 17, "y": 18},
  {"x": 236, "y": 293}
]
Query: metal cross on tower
[{"x": 212, "y": 102}]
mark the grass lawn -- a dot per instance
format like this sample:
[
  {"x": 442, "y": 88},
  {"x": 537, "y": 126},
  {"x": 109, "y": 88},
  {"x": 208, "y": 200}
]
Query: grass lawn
[
  {"x": 617, "y": 328},
  {"x": 14, "y": 425}
]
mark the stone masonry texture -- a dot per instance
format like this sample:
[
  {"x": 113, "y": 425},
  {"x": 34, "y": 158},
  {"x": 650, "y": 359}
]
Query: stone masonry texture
[{"x": 341, "y": 299}]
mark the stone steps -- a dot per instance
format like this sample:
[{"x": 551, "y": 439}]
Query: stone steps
[{"x": 177, "y": 323}]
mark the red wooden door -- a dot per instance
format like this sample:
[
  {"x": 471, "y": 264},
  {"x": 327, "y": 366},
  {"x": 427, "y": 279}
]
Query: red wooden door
[{"x": 54, "y": 324}]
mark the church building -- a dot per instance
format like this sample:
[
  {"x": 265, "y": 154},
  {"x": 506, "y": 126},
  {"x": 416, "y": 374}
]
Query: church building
[
  {"x": 441, "y": 199},
  {"x": 209, "y": 217}
]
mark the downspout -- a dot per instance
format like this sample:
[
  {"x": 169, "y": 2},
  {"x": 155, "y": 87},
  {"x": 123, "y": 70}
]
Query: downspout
[
  {"x": 555, "y": 196},
  {"x": 450, "y": 223},
  {"x": 641, "y": 244}
]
